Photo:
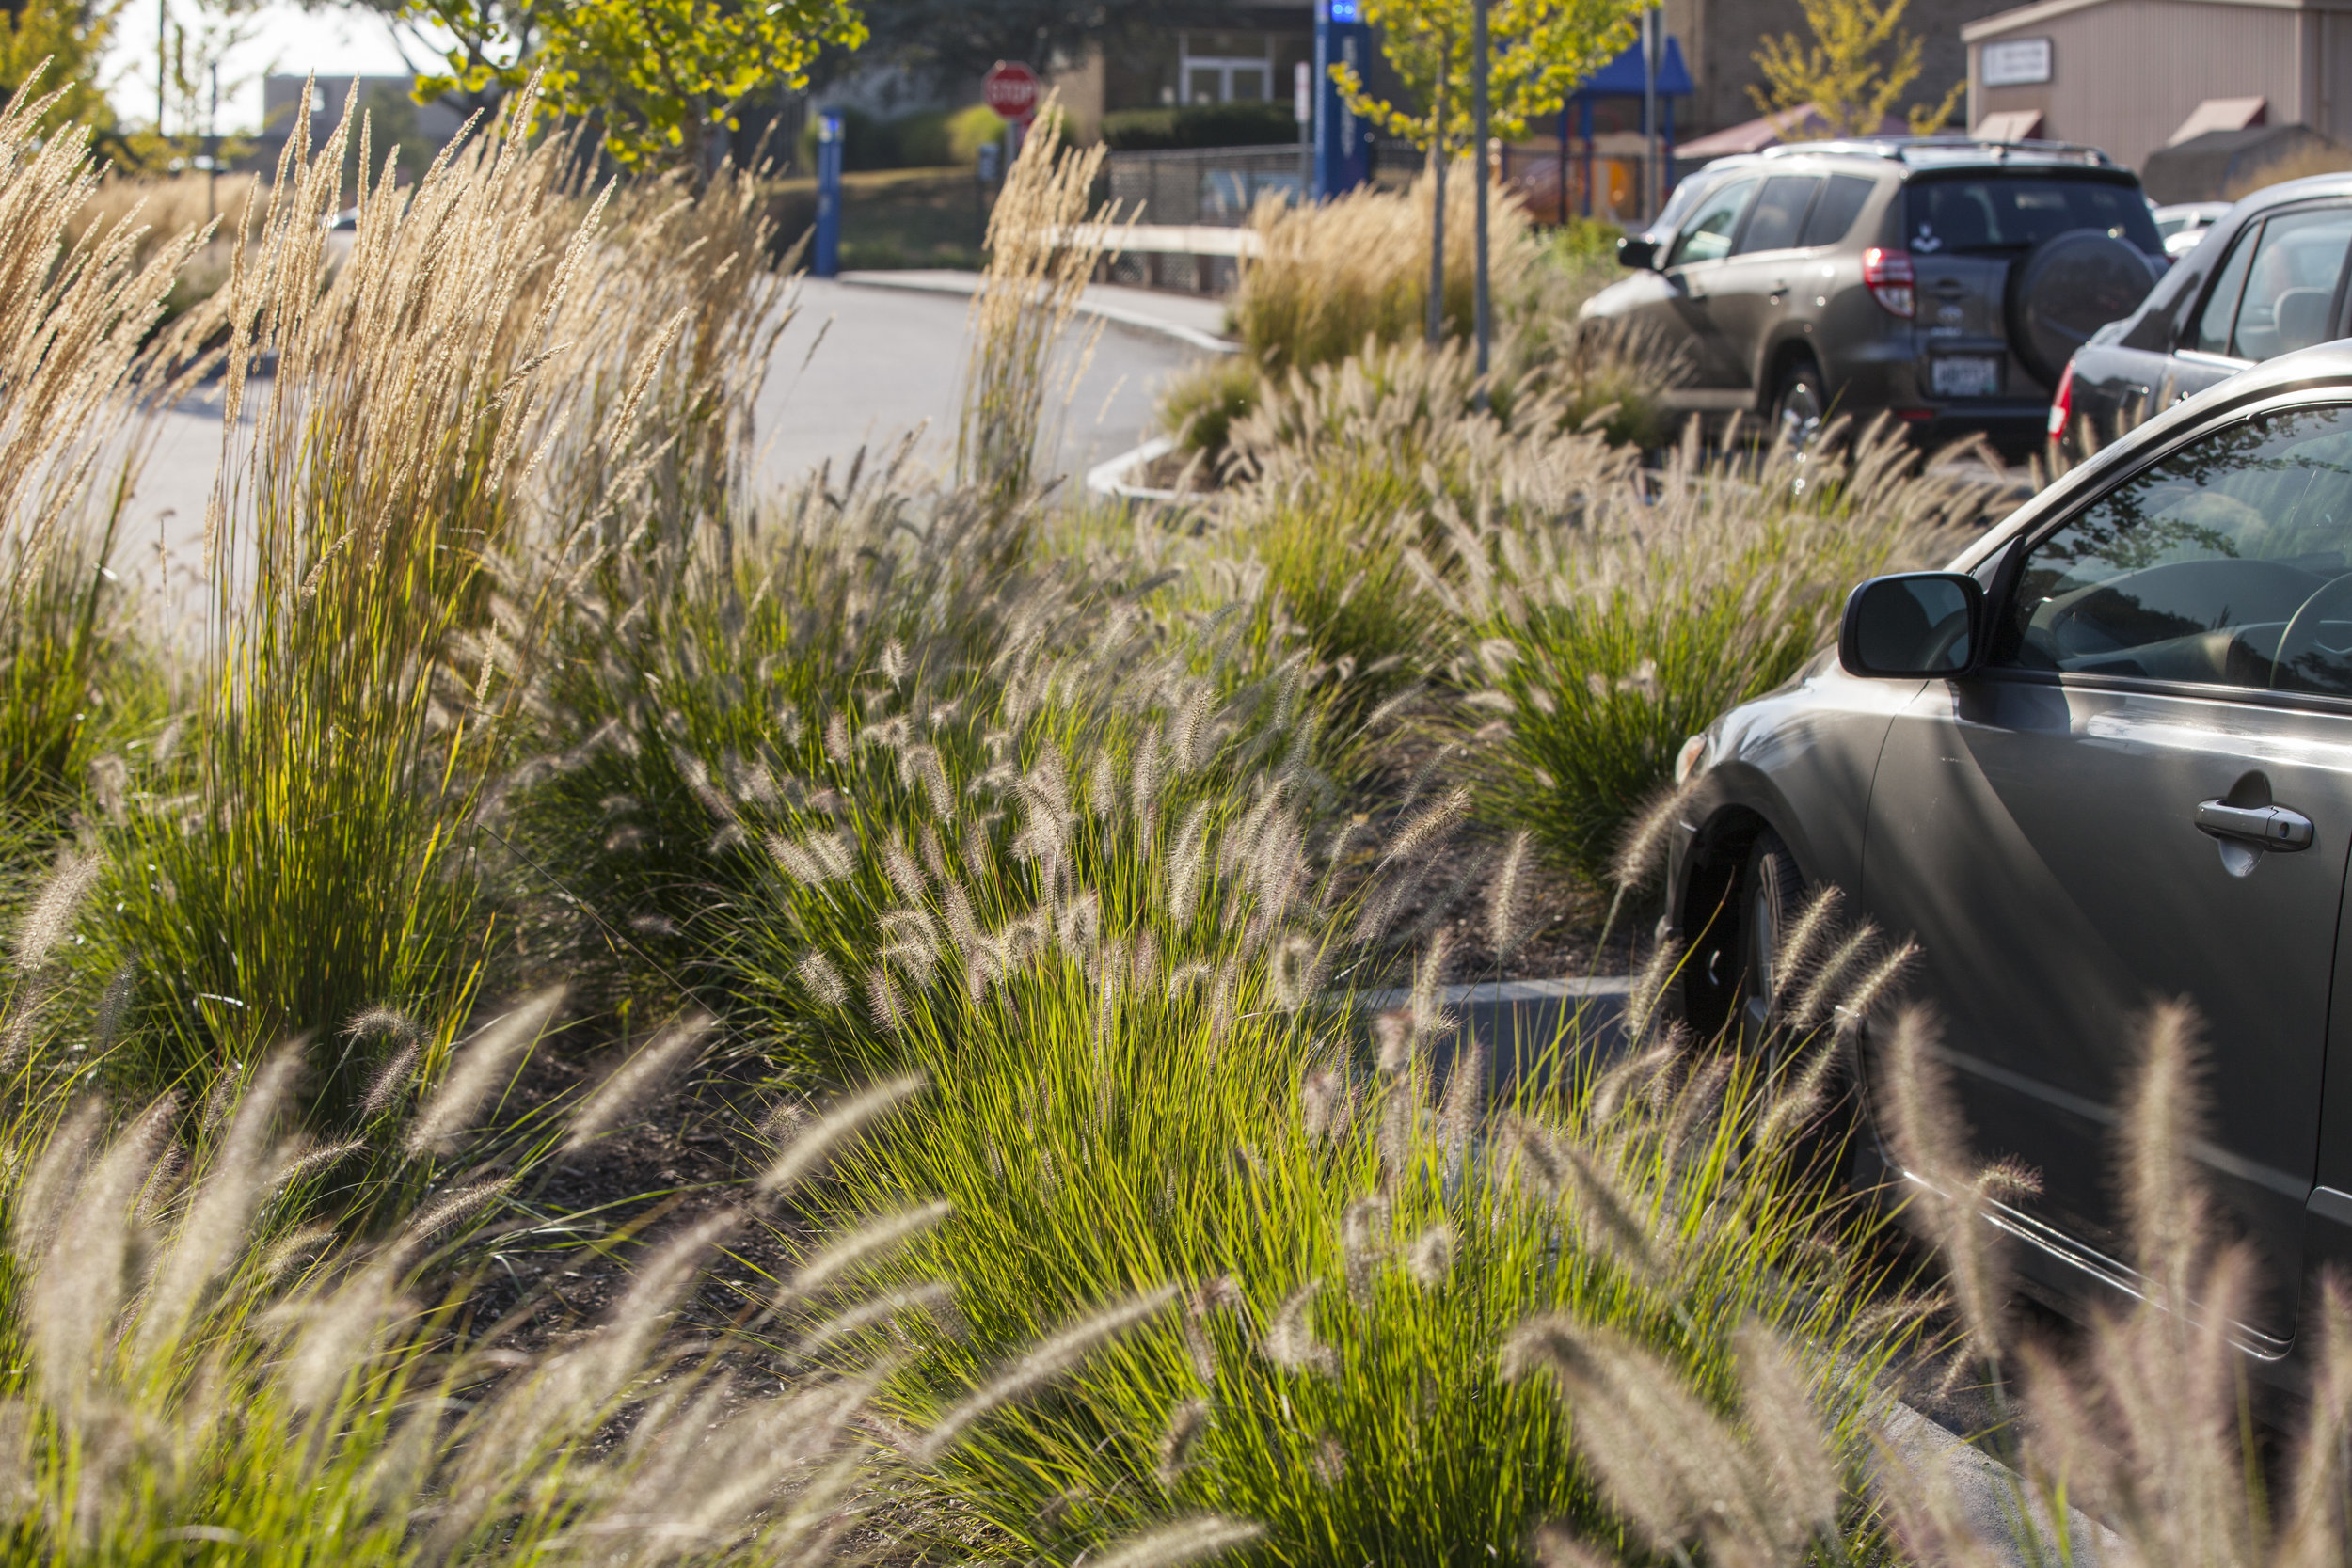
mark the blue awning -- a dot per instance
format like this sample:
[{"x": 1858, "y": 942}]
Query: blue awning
[{"x": 1621, "y": 76}]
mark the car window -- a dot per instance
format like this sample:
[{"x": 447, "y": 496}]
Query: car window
[
  {"x": 1778, "y": 215},
  {"x": 1685, "y": 194},
  {"x": 2289, "y": 294},
  {"x": 2017, "y": 212},
  {"x": 2226, "y": 563},
  {"x": 1707, "y": 236},
  {"x": 2220, "y": 312},
  {"x": 1841, "y": 203}
]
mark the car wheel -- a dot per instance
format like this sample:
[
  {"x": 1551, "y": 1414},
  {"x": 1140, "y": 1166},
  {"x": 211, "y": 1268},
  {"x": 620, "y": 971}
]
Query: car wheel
[
  {"x": 1770, "y": 890},
  {"x": 1799, "y": 403},
  {"x": 1772, "y": 893}
]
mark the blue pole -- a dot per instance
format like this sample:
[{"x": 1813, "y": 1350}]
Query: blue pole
[
  {"x": 1563, "y": 165},
  {"x": 1342, "y": 145},
  {"x": 1585, "y": 124},
  {"x": 827, "y": 260}
]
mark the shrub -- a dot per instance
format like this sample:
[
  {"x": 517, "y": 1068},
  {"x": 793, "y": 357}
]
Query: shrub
[
  {"x": 1199, "y": 406},
  {"x": 1200, "y": 125},
  {"x": 941, "y": 137},
  {"x": 1607, "y": 635},
  {"x": 1144, "y": 1084},
  {"x": 1338, "y": 275},
  {"x": 928, "y": 139},
  {"x": 193, "y": 1377}
]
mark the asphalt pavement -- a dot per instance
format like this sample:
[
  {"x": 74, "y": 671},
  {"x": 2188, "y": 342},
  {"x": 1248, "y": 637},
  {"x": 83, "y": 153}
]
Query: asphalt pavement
[{"x": 862, "y": 364}]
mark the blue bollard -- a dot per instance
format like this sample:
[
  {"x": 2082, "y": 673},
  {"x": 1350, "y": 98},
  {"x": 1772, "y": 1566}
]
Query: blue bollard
[
  {"x": 826, "y": 263},
  {"x": 1343, "y": 159}
]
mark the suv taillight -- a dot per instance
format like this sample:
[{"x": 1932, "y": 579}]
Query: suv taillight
[
  {"x": 1888, "y": 275},
  {"x": 2062, "y": 405}
]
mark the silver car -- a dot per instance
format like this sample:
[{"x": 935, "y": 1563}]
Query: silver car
[{"x": 2102, "y": 761}]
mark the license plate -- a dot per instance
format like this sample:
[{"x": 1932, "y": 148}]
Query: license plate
[{"x": 1958, "y": 376}]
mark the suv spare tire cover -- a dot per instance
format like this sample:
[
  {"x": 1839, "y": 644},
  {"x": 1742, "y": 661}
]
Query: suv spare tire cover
[{"x": 2066, "y": 289}]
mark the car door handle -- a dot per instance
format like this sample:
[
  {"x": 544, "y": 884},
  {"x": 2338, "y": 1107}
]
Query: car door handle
[{"x": 2272, "y": 827}]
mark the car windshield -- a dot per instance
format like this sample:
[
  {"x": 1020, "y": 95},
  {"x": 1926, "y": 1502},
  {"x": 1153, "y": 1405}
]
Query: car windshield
[{"x": 1976, "y": 214}]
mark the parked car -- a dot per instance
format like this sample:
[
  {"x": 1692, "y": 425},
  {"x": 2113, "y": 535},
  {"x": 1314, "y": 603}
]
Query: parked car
[
  {"x": 2103, "y": 760},
  {"x": 1944, "y": 278},
  {"x": 2184, "y": 224},
  {"x": 2267, "y": 279}
]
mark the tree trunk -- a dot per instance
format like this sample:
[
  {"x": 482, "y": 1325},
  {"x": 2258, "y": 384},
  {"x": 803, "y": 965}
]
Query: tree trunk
[
  {"x": 1437, "y": 205},
  {"x": 1482, "y": 315}
]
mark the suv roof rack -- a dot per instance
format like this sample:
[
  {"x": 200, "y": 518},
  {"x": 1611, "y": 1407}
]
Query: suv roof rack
[{"x": 1923, "y": 150}]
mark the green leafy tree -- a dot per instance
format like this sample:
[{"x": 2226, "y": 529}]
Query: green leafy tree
[
  {"x": 1541, "y": 50},
  {"x": 663, "y": 79},
  {"x": 69, "y": 38},
  {"x": 1538, "y": 51},
  {"x": 1841, "y": 73}
]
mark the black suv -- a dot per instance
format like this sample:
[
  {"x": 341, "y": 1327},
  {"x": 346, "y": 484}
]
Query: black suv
[
  {"x": 2268, "y": 279},
  {"x": 1946, "y": 280}
]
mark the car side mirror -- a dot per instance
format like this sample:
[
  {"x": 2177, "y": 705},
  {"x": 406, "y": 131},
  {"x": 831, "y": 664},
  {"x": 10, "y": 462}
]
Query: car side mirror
[
  {"x": 1913, "y": 624},
  {"x": 1638, "y": 250}
]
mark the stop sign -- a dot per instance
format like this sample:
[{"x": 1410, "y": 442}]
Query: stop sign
[{"x": 1010, "y": 89}]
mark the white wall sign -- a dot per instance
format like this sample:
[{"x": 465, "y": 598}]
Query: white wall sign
[{"x": 2014, "y": 62}]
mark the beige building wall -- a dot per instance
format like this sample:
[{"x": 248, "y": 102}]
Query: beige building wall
[
  {"x": 2125, "y": 74},
  {"x": 1721, "y": 38}
]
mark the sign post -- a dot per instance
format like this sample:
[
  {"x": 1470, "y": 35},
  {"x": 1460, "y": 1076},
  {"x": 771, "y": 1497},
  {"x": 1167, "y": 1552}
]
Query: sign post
[
  {"x": 1011, "y": 89},
  {"x": 826, "y": 263},
  {"x": 1303, "y": 111},
  {"x": 1342, "y": 145}
]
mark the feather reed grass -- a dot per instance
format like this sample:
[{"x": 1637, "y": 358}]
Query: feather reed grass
[{"x": 1041, "y": 250}]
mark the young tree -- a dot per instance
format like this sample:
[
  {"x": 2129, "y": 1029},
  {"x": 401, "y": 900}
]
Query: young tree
[
  {"x": 664, "y": 78},
  {"x": 1540, "y": 50},
  {"x": 1841, "y": 74},
  {"x": 69, "y": 37}
]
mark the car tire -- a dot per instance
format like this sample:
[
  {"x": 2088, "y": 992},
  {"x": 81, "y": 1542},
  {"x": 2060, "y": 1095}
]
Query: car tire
[
  {"x": 1799, "y": 403},
  {"x": 1771, "y": 890},
  {"x": 1773, "y": 893}
]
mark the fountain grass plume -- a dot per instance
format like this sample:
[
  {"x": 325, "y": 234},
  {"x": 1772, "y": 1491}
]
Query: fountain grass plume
[
  {"x": 812, "y": 1145},
  {"x": 1042, "y": 1365},
  {"x": 636, "y": 1078},
  {"x": 478, "y": 1067}
]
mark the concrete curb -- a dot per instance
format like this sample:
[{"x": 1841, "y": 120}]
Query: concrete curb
[
  {"x": 1516, "y": 1024},
  {"x": 968, "y": 284},
  {"x": 1109, "y": 478}
]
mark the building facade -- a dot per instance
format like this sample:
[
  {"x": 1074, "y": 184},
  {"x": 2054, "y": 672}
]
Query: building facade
[
  {"x": 1721, "y": 38},
  {"x": 2130, "y": 76}
]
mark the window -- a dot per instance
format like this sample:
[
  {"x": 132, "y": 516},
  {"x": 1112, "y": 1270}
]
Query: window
[
  {"x": 2227, "y": 564},
  {"x": 1226, "y": 68},
  {"x": 2213, "y": 325},
  {"x": 2017, "y": 212},
  {"x": 1685, "y": 196},
  {"x": 1707, "y": 236},
  {"x": 1841, "y": 203},
  {"x": 1779, "y": 214},
  {"x": 2287, "y": 295}
]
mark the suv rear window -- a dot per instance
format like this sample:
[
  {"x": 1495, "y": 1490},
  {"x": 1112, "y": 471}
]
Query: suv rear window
[
  {"x": 2016, "y": 212},
  {"x": 1840, "y": 204}
]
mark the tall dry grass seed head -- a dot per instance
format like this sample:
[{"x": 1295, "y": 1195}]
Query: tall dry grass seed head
[
  {"x": 1333, "y": 276},
  {"x": 1043, "y": 246}
]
